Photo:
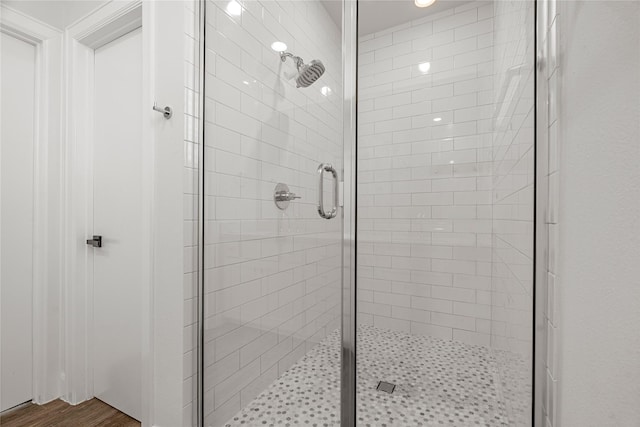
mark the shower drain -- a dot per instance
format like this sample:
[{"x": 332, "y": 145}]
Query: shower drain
[{"x": 386, "y": 387}]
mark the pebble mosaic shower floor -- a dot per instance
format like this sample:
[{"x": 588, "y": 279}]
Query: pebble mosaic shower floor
[{"x": 438, "y": 382}]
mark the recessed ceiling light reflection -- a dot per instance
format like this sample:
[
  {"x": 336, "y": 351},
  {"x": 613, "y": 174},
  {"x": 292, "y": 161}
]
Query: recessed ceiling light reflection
[
  {"x": 424, "y": 3},
  {"x": 234, "y": 8},
  {"x": 326, "y": 90},
  {"x": 437, "y": 119},
  {"x": 278, "y": 46},
  {"x": 424, "y": 67},
  {"x": 451, "y": 162}
]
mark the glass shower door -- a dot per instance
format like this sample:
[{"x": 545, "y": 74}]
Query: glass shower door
[
  {"x": 272, "y": 249},
  {"x": 445, "y": 213}
]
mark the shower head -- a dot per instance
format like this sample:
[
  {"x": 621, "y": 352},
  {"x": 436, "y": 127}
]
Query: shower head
[{"x": 307, "y": 73}]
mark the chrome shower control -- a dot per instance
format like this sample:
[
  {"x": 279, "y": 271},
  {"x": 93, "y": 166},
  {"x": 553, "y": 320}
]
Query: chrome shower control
[{"x": 283, "y": 196}]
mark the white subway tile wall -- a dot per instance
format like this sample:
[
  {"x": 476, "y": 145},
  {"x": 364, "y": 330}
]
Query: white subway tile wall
[
  {"x": 513, "y": 172},
  {"x": 513, "y": 203},
  {"x": 513, "y": 175},
  {"x": 425, "y": 175},
  {"x": 190, "y": 203},
  {"x": 272, "y": 277}
]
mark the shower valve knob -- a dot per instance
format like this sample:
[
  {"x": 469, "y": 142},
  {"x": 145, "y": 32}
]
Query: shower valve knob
[
  {"x": 285, "y": 196},
  {"x": 282, "y": 196}
]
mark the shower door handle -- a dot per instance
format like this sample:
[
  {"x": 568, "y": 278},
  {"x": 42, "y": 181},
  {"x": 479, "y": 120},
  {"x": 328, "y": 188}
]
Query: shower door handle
[{"x": 336, "y": 196}]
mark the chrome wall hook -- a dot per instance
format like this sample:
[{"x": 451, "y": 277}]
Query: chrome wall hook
[{"x": 166, "y": 111}]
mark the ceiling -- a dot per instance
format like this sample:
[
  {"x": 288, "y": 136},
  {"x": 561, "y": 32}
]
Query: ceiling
[
  {"x": 57, "y": 13},
  {"x": 377, "y": 15}
]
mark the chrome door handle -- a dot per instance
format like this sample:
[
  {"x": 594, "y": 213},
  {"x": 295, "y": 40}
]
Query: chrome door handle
[{"x": 334, "y": 211}]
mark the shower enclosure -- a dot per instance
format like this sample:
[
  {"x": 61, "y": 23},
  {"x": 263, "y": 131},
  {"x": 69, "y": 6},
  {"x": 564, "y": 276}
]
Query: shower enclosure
[{"x": 367, "y": 213}]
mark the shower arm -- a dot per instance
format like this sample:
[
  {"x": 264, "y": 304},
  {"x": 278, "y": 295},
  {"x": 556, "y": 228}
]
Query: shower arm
[{"x": 297, "y": 59}]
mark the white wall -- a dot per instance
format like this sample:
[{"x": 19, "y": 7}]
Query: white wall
[
  {"x": 47, "y": 256},
  {"x": 17, "y": 155},
  {"x": 597, "y": 287},
  {"x": 424, "y": 186},
  {"x": 169, "y": 51},
  {"x": 272, "y": 277}
]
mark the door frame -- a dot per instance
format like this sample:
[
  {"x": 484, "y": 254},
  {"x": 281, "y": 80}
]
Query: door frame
[
  {"x": 82, "y": 39},
  {"x": 47, "y": 41},
  {"x": 103, "y": 25},
  {"x": 163, "y": 394}
]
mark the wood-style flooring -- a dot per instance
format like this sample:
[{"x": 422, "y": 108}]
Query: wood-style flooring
[{"x": 92, "y": 413}]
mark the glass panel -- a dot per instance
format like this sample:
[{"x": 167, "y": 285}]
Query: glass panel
[
  {"x": 272, "y": 267},
  {"x": 445, "y": 212}
]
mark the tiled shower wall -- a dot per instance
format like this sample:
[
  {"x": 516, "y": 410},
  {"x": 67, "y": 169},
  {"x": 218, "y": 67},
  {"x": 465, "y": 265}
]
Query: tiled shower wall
[
  {"x": 424, "y": 179},
  {"x": 513, "y": 175},
  {"x": 513, "y": 203},
  {"x": 272, "y": 277}
]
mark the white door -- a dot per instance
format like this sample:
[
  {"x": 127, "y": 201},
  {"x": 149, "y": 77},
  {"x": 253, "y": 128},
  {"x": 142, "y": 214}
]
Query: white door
[
  {"x": 117, "y": 217},
  {"x": 16, "y": 230}
]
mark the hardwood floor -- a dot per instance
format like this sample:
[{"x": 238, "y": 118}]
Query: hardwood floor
[{"x": 93, "y": 413}]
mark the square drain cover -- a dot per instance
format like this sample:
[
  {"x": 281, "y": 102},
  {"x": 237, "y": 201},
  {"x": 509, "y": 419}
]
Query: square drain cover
[{"x": 386, "y": 387}]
